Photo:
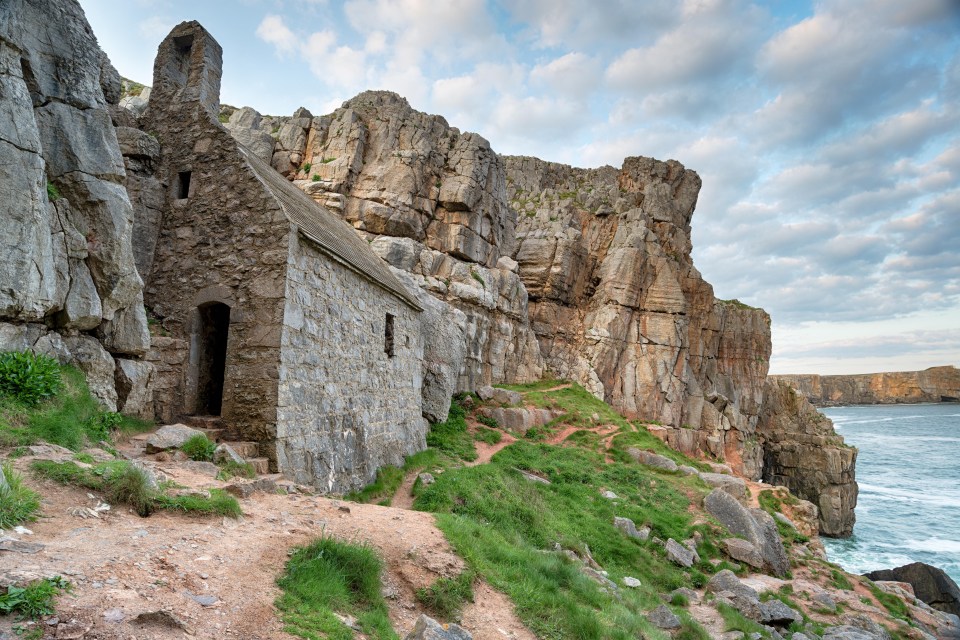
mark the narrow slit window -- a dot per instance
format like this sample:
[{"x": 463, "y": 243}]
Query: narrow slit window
[
  {"x": 183, "y": 185},
  {"x": 388, "y": 336}
]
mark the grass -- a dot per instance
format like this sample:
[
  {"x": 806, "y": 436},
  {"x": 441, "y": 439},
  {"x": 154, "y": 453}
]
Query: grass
[
  {"x": 71, "y": 418},
  {"x": 34, "y": 600},
  {"x": 18, "y": 503},
  {"x": 124, "y": 483},
  {"x": 231, "y": 469},
  {"x": 199, "y": 447},
  {"x": 733, "y": 620},
  {"x": 488, "y": 436},
  {"x": 451, "y": 436},
  {"x": 446, "y": 596},
  {"x": 501, "y": 524},
  {"x": 839, "y": 580},
  {"x": 893, "y": 604},
  {"x": 389, "y": 478},
  {"x": 330, "y": 577}
]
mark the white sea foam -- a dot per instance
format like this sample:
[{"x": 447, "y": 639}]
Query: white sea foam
[
  {"x": 934, "y": 545},
  {"x": 903, "y": 495}
]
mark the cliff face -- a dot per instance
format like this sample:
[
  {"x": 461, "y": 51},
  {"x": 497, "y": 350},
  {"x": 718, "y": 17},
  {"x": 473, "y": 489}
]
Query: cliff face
[
  {"x": 66, "y": 218},
  {"x": 618, "y": 305},
  {"x": 936, "y": 384},
  {"x": 803, "y": 453}
]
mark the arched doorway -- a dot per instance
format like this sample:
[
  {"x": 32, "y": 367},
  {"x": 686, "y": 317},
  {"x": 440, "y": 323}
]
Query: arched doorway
[{"x": 214, "y": 326}]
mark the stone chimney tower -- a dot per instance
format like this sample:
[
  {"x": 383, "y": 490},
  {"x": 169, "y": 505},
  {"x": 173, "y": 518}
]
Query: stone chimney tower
[{"x": 188, "y": 68}]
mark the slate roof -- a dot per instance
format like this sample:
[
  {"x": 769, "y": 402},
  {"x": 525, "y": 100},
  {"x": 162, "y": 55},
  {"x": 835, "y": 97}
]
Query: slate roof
[{"x": 334, "y": 236}]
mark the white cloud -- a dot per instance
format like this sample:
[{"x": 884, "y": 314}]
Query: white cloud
[
  {"x": 273, "y": 30},
  {"x": 573, "y": 74}
]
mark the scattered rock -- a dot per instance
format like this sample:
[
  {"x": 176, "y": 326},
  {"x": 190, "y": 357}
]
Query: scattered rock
[
  {"x": 427, "y": 628},
  {"x": 652, "y": 459},
  {"x": 778, "y": 614},
  {"x": 736, "y": 487},
  {"x": 633, "y": 583},
  {"x": 663, "y": 618},
  {"x": 727, "y": 580},
  {"x": 171, "y": 436},
  {"x": 269, "y": 486},
  {"x": 485, "y": 393},
  {"x": 19, "y": 546},
  {"x": 225, "y": 453},
  {"x": 689, "y": 594},
  {"x": 610, "y": 495},
  {"x": 114, "y": 615},
  {"x": 426, "y": 479},
  {"x": 847, "y": 632},
  {"x": 203, "y": 600},
  {"x": 679, "y": 554},
  {"x": 755, "y": 525},
  {"x": 531, "y": 477},
  {"x": 930, "y": 584},
  {"x": 779, "y": 517},
  {"x": 630, "y": 529},
  {"x": 241, "y": 489},
  {"x": 504, "y": 396},
  {"x": 720, "y": 468},
  {"x": 687, "y": 471},
  {"x": 824, "y": 600},
  {"x": 744, "y": 551}
]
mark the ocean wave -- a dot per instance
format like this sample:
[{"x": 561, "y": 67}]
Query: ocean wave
[
  {"x": 909, "y": 496},
  {"x": 934, "y": 545}
]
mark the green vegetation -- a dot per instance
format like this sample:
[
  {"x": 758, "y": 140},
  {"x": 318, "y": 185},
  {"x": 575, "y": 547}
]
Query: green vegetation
[
  {"x": 18, "y": 503},
  {"x": 41, "y": 400},
  {"x": 476, "y": 276},
  {"x": 737, "y": 304},
  {"x": 893, "y": 604},
  {"x": 34, "y": 600},
  {"x": 488, "y": 436},
  {"x": 231, "y": 469},
  {"x": 389, "y": 478},
  {"x": 53, "y": 194},
  {"x": 451, "y": 436},
  {"x": 199, "y": 447},
  {"x": 306, "y": 167},
  {"x": 772, "y": 503},
  {"x": 839, "y": 580},
  {"x": 447, "y": 596},
  {"x": 735, "y": 621},
  {"x": 28, "y": 378},
  {"x": 124, "y": 483},
  {"x": 487, "y": 420},
  {"x": 327, "y": 578},
  {"x": 315, "y": 178},
  {"x": 327, "y": 160}
]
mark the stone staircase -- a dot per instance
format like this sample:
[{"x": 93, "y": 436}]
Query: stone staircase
[{"x": 216, "y": 431}]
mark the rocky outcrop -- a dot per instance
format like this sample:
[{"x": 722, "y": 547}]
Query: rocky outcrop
[
  {"x": 936, "y": 384},
  {"x": 618, "y": 305},
  {"x": 804, "y": 453},
  {"x": 66, "y": 218},
  {"x": 929, "y": 583}
]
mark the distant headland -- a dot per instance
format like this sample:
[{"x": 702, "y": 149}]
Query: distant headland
[{"x": 936, "y": 384}]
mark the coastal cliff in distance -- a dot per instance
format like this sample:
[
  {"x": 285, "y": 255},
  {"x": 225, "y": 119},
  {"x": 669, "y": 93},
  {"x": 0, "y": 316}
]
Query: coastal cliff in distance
[{"x": 936, "y": 384}]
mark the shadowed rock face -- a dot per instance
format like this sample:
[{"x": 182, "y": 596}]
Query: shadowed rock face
[
  {"x": 931, "y": 584},
  {"x": 936, "y": 384},
  {"x": 804, "y": 453}
]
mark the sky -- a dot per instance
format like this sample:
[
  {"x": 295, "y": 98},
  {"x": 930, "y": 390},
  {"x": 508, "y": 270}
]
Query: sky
[{"x": 827, "y": 134}]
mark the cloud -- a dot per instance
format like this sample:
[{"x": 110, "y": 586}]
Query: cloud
[
  {"x": 573, "y": 74},
  {"x": 274, "y": 31}
]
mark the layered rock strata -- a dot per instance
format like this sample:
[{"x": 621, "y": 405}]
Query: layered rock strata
[
  {"x": 803, "y": 453},
  {"x": 936, "y": 384},
  {"x": 67, "y": 220}
]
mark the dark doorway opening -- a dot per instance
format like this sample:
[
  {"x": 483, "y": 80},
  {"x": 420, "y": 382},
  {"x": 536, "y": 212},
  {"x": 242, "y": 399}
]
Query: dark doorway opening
[{"x": 212, "y": 338}]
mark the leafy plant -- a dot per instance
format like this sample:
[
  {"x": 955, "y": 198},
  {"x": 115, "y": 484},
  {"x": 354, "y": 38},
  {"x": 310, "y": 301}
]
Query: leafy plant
[
  {"x": 52, "y": 192},
  {"x": 315, "y": 178},
  {"x": 34, "y": 600},
  {"x": 306, "y": 167},
  {"x": 199, "y": 447},
  {"x": 29, "y": 377},
  {"x": 18, "y": 503}
]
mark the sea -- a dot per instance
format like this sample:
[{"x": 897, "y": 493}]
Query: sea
[{"x": 908, "y": 470}]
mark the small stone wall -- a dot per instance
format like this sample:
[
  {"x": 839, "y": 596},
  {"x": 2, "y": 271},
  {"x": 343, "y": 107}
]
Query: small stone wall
[{"x": 346, "y": 408}]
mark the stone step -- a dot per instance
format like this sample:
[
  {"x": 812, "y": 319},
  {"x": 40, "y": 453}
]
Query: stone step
[
  {"x": 260, "y": 465},
  {"x": 204, "y": 422},
  {"x": 245, "y": 449},
  {"x": 214, "y": 435}
]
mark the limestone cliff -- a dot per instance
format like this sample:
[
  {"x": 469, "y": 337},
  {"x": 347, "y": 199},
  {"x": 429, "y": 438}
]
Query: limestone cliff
[
  {"x": 68, "y": 282},
  {"x": 803, "y": 453},
  {"x": 936, "y": 384},
  {"x": 583, "y": 273}
]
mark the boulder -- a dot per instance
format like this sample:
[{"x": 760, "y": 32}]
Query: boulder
[
  {"x": 426, "y": 479},
  {"x": 98, "y": 368},
  {"x": 680, "y": 555},
  {"x": 737, "y": 487},
  {"x": 171, "y": 436},
  {"x": 427, "y": 628},
  {"x": 743, "y": 551},
  {"x": 627, "y": 526},
  {"x": 776, "y": 613},
  {"x": 847, "y": 632},
  {"x": 755, "y": 525},
  {"x": 663, "y": 618},
  {"x": 225, "y": 453},
  {"x": 652, "y": 459},
  {"x": 485, "y": 392},
  {"x": 727, "y": 580},
  {"x": 930, "y": 584},
  {"x": 4, "y": 484},
  {"x": 134, "y": 391},
  {"x": 504, "y": 396},
  {"x": 631, "y": 582}
]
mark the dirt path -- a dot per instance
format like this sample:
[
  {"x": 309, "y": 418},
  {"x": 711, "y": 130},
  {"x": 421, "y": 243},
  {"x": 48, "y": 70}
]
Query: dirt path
[
  {"x": 122, "y": 565},
  {"x": 403, "y": 497},
  {"x": 486, "y": 451}
]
